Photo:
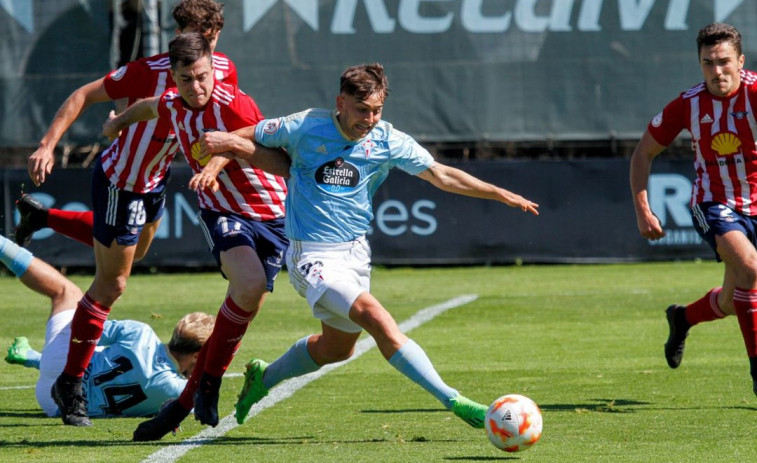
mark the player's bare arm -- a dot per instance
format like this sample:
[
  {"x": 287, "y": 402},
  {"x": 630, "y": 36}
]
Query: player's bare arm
[
  {"x": 456, "y": 181},
  {"x": 641, "y": 163},
  {"x": 241, "y": 143},
  {"x": 142, "y": 110},
  {"x": 41, "y": 162}
]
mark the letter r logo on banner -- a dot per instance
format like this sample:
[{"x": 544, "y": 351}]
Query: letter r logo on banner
[{"x": 669, "y": 194}]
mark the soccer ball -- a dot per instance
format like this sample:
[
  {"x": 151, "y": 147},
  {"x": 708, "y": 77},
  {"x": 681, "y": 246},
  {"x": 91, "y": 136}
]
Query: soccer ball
[{"x": 513, "y": 423}]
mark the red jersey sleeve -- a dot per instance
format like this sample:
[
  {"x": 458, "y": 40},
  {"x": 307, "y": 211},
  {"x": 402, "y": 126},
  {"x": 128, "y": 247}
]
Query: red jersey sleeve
[
  {"x": 666, "y": 126},
  {"x": 243, "y": 112},
  {"x": 231, "y": 78},
  {"x": 131, "y": 81},
  {"x": 225, "y": 69}
]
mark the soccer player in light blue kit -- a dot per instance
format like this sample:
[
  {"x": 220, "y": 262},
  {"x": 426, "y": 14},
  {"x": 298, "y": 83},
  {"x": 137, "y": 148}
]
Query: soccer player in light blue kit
[
  {"x": 131, "y": 374},
  {"x": 338, "y": 160}
]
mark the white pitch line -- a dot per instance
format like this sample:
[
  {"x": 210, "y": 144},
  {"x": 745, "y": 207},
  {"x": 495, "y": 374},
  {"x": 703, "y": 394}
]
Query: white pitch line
[{"x": 289, "y": 387}]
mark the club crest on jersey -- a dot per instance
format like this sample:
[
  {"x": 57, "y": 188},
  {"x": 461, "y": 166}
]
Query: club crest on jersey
[
  {"x": 197, "y": 155},
  {"x": 726, "y": 143},
  {"x": 368, "y": 145},
  {"x": 657, "y": 120},
  {"x": 338, "y": 173},
  {"x": 272, "y": 126},
  {"x": 118, "y": 73},
  {"x": 740, "y": 114}
]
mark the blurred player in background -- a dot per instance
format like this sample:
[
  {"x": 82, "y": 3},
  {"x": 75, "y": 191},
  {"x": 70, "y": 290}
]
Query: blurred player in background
[
  {"x": 339, "y": 159},
  {"x": 128, "y": 190},
  {"x": 720, "y": 115},
  {"x": 131, "y": 374},
  {"x": 241, "y": 213}
]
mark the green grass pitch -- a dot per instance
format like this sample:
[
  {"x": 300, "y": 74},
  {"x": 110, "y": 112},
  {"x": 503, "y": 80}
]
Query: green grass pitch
[{"x": 585, "y": 342}]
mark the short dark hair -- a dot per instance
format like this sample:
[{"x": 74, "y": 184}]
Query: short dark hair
[
  {"x": 364, "y": 81},
  {"x": 187, "y": 48},
  {"x": 202, "y": 15},
  {"x": 713, "y": 34}
]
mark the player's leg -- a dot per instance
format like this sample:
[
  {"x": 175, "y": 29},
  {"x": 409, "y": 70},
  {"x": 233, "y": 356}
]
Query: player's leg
[
  {"x": 47, "y": 281},
  {"x": 247, "y": 283},
  {"x": 332, "y": 345},
  {"x": 249, "y": 253},
  {"x": 34, "y": 216},
  {"x": 145, "y": 239},
  {"x": 20, "y": 262},
  {"x": 717, "y": 303},
  {"x": 410, "y": 359},
  {"x": 113, "y": 266},
  {"x": 739, "y": 253},
  {"x": 118, "y": 219}
]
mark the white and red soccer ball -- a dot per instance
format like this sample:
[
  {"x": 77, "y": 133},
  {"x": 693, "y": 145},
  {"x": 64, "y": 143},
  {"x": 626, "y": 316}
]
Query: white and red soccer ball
[{"x": 513, "y": 423}]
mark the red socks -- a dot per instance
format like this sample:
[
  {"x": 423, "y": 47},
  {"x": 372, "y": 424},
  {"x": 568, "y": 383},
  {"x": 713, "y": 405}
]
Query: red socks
[
  {"x": 186, "y": 398},
  {"x": 231, "y": 325},
  {"x": 73, "y": 224},
  {"x": 219, "y": 349},
  {"x": 705, "y": 309},
  {"x": 745, "y": 303},
  {"x": 86, "y": 329}
]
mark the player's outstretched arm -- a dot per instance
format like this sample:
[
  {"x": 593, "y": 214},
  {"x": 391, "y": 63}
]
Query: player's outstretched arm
[
  {"x": 41, "y": 162},
  {"x": 142, "y": 110},
  {"x": 241, "y": 143},
  {"x": 456, "y": 181},
  {"x": 641, "y": 163}
]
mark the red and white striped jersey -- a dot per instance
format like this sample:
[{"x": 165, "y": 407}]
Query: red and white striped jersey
[
  {"x": 723, "y": 132},
  {"x": 244, "y": 190},
  {"x": 139, "y": 158}
]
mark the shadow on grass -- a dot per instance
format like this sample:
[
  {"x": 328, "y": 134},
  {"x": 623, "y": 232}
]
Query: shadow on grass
[
  {"x": 27, "y": 413},
  {"x": 599, "y": 405},
  {"x": 406, "y": 410},
  {"x": 296, "y": 440},
  {"x": 628, "y": 406},
  {"x": 25, "y": 443},
  {"x": 503, "y": 458}
]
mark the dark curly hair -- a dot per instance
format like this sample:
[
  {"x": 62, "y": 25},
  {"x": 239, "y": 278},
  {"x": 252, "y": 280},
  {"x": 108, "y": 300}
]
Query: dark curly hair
[{"x": 203, "y": 16}]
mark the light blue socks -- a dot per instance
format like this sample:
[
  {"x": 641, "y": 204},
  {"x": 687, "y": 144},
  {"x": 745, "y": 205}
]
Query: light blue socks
[
  {"x": 295, "y": 362},
  {"x": 16, "y": 258},
  {"x": 413, "y": 362}
]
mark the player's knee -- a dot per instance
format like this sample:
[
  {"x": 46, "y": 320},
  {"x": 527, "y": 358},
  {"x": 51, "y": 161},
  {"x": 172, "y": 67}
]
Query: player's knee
[
  {"x": 372, "y": 318},
  {"x": 248, "y": 297},
  {"x": 107, "y": 292}
]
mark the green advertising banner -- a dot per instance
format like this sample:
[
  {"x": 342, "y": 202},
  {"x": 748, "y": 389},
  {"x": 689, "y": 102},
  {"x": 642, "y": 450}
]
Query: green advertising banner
[{"x": 459, "y": 70}]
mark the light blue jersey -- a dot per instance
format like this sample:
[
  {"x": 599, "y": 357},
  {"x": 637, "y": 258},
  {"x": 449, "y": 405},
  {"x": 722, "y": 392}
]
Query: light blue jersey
[
  {"x": 332, "y": 178},
  {"x": 133, "y": 375}
]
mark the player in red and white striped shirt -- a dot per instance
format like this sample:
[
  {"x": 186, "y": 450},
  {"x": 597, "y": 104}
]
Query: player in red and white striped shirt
[
  {"x": 128, "y": 191},
  {"x": 719, "y": 113},
  {"x": 242, "y": 215}
]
